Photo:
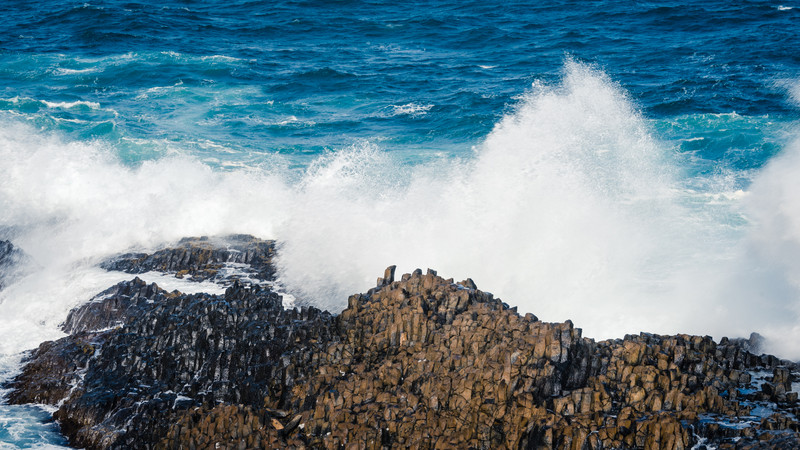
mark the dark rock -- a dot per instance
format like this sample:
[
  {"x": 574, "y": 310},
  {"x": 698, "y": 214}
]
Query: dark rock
[
  {"x": 421, "y": 362},
  {"x": 11, "y": 259},
  {"x": 238, "y": 348},
  {"x": 205, "y": 258},
  {"x": 115, "y": 306},
  {"x": 388, "y": 276},
  {"x": 53, "y": 369},
  {"x": 753, "y": 344}
]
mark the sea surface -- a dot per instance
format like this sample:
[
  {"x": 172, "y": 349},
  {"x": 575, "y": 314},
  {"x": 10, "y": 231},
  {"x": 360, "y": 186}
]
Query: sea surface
[{"x": 627, "y": 165}]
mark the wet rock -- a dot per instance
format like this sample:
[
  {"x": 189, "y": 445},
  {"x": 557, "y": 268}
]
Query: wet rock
[
  {"x": 420, "y": 362},
  {"x": 205, "y": 258},
  {"x": 53, "y": 369},
  {"x": 115, "y": 306},
  {"x": 753, "y": 344},
  {"x": 11, "y": 259},
  {"x": 183, "y": 351},
  {"x": 7, "y": 251}
]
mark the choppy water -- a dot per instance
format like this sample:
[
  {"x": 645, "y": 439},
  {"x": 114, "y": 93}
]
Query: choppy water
[{"x": 629, "y": 166}]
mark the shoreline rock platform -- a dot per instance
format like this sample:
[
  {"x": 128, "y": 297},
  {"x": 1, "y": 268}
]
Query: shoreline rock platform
[{"x": 415, "y": 362}]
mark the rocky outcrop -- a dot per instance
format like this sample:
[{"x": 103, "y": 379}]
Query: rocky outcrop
[
  {"x": 419, "y": 362},
  {"x": 425, "y": 362},
  {"x": 10, "y": 259},
  {"x": 54, "y": 369},
  {"x": 115, "y": 306},
  {"x": 6, "y": 250},
  {"x": 204, "y": 258},
  {"x": 184, "y": 351}
]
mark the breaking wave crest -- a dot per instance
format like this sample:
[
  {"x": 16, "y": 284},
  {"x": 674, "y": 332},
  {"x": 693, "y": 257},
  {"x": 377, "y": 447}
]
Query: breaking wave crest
[{"x": 570, "y": 209}]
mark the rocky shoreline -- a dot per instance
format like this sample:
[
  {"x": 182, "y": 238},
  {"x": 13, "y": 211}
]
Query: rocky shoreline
[{"x": 421, "y": 361}]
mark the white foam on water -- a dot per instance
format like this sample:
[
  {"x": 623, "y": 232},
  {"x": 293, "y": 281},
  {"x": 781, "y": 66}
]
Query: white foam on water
[
  {"x": 69, "y": 72},
  {"x": 159, "y": 90},
  {"x": 792, "y": 88},
  {"x": 61, "y": 105},
  {"x": 24, "y": 427},
  {"x": 570, "y": 209},
  {"x": 32, "y": 308},
  {"x": 68, "y": 105},
  {"x": 411, "y": 109},
  {"x": 69, "y": 205},
  {"x": 765, "y": 275},
  {"x": 170, "y": 283}
]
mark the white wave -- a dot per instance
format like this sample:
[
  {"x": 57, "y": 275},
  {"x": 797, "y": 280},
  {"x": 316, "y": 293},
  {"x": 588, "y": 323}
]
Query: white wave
[
  {"x": 61, "y": 105},
  {"x": 222, "y": 58},
  {"x": 212, "y": 58},
  {"x": 170, "y": 283},
  {"x": 68, "y": 205},
  {"x": 570, "y": 210},
  {"x": 33, "y": 308},
  {"x": 23, "y": 427},
  {"x": 100, "y": 61},
  {"x": 159, "y": 90},
  {"x": 793, "y": 88},
  {"x": 68, "y": 105},
  {"x": 75, "y": 121},
  {"x": 765, "y": 277},
  {"x": 67, "y": 71},
  {"x": 211, "y": 145},
  {"x": 288, "y": 120},
  {"x": 411, "y": 109}
]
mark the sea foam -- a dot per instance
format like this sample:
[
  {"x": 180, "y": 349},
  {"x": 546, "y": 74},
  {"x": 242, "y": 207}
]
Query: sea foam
[{"x": 569, "y": 209}]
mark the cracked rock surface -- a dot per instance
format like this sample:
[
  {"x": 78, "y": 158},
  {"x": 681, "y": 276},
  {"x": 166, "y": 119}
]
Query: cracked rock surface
[{"x": 420, "y": 362}]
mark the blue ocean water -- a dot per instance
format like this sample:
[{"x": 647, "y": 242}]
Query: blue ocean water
[
  {"x": 299, "y": 78},
  {"x": 628, "y": 165}
]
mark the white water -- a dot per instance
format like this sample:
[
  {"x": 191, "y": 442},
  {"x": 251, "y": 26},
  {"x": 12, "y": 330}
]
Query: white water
[
  {"x": 22, "y": 426},
  {"x": 570, "y": 209}
]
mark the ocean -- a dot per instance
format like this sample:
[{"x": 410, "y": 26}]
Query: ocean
[{"x": 631, "y": 166}]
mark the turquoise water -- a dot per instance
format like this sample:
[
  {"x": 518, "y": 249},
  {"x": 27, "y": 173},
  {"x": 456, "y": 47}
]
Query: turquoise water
[
  {"x": 627, "y": 165},
  {"x": 28, "y": 427},
  {"x": 299, "y": 78}
]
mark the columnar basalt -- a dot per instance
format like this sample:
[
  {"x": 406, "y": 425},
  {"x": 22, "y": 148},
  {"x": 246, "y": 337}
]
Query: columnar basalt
[
  {"x": 420, "y": 362},
  {"x": 203, "y": 258}
]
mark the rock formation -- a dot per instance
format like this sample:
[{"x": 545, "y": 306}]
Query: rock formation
[
  {"x": 420, "y": 362},
  {"x": 204, "y": 258},
  {"x": 10, "y": 259}
]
